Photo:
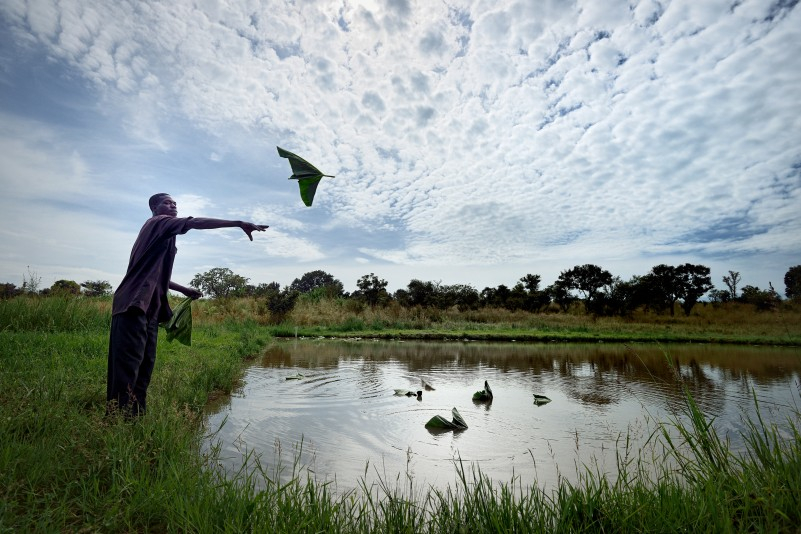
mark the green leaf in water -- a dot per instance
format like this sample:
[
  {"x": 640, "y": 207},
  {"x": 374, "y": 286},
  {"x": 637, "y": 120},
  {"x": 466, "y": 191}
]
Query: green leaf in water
[
  {"x": 483, "y": 395},
  {"x": 440, "y": 422},
  {"x": 539, "y": 400}
]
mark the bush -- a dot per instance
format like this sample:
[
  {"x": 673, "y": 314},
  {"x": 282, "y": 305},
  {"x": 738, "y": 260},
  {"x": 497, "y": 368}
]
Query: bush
[{"x": 280, "y": 304}]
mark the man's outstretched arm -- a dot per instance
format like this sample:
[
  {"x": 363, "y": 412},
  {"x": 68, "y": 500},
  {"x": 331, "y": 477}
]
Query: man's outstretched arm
[
  {"x": 204, "y": 223},
  {"x": 188, "y": 291}
]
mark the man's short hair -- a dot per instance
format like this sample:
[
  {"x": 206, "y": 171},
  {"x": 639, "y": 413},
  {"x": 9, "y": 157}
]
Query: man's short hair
[{"x": 156, "y": 199}]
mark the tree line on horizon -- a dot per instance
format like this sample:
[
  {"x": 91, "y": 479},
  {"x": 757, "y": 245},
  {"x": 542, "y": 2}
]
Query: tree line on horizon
[{"x": 596, "y": 289}]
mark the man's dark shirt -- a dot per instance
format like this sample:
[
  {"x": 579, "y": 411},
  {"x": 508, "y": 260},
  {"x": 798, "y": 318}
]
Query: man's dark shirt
[{"x": 146, "y": 283}]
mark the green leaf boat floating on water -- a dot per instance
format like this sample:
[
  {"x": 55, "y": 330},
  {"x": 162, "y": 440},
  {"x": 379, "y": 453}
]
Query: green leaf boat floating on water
[
  {"x": 409, "y": 393},
  {"x": 539, "y": 400},
  {"x": 440, "y": 423},
  {"x": 485, "y": 395}
]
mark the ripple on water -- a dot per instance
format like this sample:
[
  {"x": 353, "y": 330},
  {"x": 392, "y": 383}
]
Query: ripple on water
[{"x": 351, "y": 424}]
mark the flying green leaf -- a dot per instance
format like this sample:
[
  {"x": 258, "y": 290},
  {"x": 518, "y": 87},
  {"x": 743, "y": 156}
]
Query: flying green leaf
[
  {"x": 307, "y": 175},
  {"x": 180, "y": 324}
]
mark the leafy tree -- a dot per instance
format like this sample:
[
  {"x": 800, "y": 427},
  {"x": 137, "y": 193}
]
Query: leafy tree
[
  {"x": 441, "y": 297},
  {"x": 96, "y": 288},
  {"x": 535, "y": 299},
  {"x": 731, "y": 281},
  {"x": 220, "y": 282},
  {"x": 693, "y": 281},
  {"x": 622, "y": 298},
  {"x": 641, "y": 293},
  {"x": 502, "y": 294},
  {"x": 496, "y": 296},
  {"x": 792, "y": 282},
  {"x": 419, "y": 293},
  {"x": 531, "y": 282},
  {"x": 8, "y": 290},
  {"x": 559, "y": 293},
  {"x": 589, "y": 280},
  {"x": 263, "y": 290},
  {"x": 65, "y": 288},
  {"x": 526, "y": 295},
  {"x": 762, "y": 299},
  {"x": 463, "y": 296},
  {"x": 436, "y": 295},
  {"x": 517, "y": 297},
  {"x": 719, "y": 296},
  {"x": 401, "y": 296},
  {"x": 487, "y": 296},
  {"x": 661, "y": 288},
  {"x": 318, "y": 279},
  {"x": 278, "y": 302},
  {"x": 372, "y": 289}
]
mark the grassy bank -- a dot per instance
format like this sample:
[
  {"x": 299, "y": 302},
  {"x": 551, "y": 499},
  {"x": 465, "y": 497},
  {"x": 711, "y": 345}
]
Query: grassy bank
[
  {"x": 733, "y": 323},
  {"x": 64, "y": 467}
]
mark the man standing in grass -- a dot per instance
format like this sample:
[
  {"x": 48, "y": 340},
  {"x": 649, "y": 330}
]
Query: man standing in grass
[{"x": 140, "y": 302}]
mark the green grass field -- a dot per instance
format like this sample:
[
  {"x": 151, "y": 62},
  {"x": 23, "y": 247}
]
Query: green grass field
[
  {"x": 66, "y": 467},
  {"x": 732, "y": 323}
]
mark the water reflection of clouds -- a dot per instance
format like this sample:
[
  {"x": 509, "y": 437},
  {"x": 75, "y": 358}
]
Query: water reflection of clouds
[{"x": 346, "y": 410}]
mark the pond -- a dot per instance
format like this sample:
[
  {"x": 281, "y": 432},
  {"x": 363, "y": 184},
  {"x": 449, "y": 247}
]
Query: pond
[{"x": 331, "y": 407}]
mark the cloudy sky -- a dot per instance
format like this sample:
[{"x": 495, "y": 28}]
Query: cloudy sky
[{"x": 472, "y": 141}]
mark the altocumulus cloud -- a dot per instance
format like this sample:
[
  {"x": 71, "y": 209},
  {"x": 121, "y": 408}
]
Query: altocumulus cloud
[{"x": 471, "y": 142}]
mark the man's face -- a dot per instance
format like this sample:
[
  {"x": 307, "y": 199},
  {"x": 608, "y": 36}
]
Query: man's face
[{"x": 167, "y": 206}]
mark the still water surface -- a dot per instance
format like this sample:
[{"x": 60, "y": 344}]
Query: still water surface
[{"x": 354, "y": 427}]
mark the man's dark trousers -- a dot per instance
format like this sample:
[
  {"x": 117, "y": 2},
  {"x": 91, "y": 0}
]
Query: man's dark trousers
[{"x": 131, "y": 357}]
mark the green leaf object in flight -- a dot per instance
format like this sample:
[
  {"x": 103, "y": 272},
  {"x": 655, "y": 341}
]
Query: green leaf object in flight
[{"x": 305, "y": 173}]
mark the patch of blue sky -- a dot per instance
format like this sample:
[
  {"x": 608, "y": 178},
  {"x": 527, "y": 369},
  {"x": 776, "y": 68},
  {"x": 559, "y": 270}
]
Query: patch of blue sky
[
  {"x": 729, "y": 229},
  {"x": 54, "y": 94}
]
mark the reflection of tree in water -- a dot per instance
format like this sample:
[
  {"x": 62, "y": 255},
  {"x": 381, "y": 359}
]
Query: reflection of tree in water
[
  {"x": 369, "y": 381},
  {"x": 598, "y": 374},
  {"x": 707, "y": 392},
  {"x": 276, "y": 356},
  {"x": 589, "y": 381}
]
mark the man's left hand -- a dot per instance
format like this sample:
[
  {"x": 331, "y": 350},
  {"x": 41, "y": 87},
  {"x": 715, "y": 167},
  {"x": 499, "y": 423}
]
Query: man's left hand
[{"x": 193, "y": 293}]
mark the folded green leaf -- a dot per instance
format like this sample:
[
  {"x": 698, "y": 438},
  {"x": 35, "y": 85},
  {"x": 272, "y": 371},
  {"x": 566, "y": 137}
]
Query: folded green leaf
[
  {"x": 307, "y": 175},
  {"x": 180, "y": 324},
  {"x": 483, "y": 395},
  {"x": 440, "y": 422},
  {"x": 541, "y": 399}
]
